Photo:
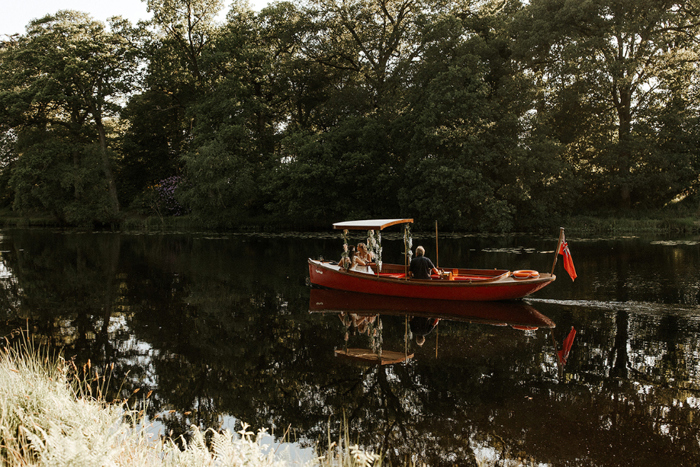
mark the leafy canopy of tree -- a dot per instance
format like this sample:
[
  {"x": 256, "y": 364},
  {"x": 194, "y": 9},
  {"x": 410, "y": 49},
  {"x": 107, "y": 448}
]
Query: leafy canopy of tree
[
  {"x": 491, "y": 115},
  {"x": 61, "y": 85}
]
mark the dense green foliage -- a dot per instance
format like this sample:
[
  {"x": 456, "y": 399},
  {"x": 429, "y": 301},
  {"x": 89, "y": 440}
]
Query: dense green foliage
[{"x": 490, "y": 115}]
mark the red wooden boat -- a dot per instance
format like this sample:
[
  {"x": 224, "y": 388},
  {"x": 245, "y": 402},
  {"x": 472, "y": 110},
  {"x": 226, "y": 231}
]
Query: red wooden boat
[
  {"x": 516, "y": 314},
  {"x": 451, "y": 284}
]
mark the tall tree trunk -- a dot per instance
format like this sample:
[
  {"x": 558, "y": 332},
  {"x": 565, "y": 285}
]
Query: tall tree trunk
[
  {"x": 103, "y": 336},
  {"x": 624, "y": 161},
  {"x": 114, "y": 200}
]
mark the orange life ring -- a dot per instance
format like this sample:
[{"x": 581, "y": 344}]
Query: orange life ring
[{"x": 526, "y": 274}]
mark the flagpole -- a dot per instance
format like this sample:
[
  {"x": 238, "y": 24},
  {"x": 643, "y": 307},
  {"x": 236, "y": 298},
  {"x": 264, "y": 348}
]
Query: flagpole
[
  {"x": 556, "y": 252},
  {"x": 560, "y": 366}
]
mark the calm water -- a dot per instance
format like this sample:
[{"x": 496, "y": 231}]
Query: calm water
[{"x": 220, "y": 328}]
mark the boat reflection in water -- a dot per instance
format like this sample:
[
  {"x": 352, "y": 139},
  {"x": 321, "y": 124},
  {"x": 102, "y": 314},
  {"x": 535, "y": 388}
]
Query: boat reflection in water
[{"x": 360, "y": 313}]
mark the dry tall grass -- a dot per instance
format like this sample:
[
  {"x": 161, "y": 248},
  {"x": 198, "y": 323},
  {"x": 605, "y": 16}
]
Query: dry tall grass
[{"x": 45, "y": 420}]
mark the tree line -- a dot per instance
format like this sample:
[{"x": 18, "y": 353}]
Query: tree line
[{"x": 488, "y": 115}]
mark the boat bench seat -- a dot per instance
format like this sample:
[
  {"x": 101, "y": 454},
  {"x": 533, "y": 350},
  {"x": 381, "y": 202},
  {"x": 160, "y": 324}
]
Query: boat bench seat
[
  {"x": 471, "y": 278},
  {"x": 462, "y": 278},
  {"x": 396, "y": 275},
  {"x": 392, "y": 276}
]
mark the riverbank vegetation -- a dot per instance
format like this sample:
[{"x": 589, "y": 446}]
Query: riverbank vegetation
[
  {"x": 580, "y": 226},
  {"x": 493, "y": 116},
  {"x": 50, "y": 415}
]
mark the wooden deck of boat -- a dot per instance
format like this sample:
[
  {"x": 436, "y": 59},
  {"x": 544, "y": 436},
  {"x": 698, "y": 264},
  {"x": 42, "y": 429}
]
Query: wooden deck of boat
[{"x": 464, "y": 278}]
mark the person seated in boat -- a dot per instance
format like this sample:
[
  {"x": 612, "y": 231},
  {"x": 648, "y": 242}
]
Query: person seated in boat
[
  {"x": 421, "y": 267},
  {"x": 357, "y": 323},
  {"x": 362, "y": 259},
  {"x": 421, "y": 327},
  {"x": 346, "y": 261},
  {"x": 363, "y": 324}
]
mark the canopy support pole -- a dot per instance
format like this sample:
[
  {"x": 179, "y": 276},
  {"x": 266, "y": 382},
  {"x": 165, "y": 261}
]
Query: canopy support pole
[{"x": 405, "y": 252}]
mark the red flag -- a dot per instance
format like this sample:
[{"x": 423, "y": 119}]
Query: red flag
[
  {"x": 566, "y": 346},
  {"x": 568, "y": 261}
]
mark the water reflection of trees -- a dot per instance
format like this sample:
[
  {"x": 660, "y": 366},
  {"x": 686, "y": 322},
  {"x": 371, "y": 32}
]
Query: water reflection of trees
[{"x": 220, "y": 327}]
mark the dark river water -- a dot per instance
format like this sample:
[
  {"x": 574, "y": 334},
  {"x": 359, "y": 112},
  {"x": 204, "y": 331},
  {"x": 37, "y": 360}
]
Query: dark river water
[{"x": 224, "y": 329}]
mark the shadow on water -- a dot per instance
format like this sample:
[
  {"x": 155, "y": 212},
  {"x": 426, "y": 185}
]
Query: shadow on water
[{"x": 225, "y": 328}]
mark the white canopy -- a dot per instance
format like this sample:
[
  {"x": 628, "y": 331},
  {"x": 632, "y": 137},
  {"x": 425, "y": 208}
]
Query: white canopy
[{"x": 370, "y": 224}]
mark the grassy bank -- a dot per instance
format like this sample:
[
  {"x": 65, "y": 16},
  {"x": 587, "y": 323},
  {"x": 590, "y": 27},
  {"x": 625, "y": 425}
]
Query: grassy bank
[
  {"x": 51, "y": 417},
  {"x": 585, "y": 225},
  {"x": 628, "y": 223}
]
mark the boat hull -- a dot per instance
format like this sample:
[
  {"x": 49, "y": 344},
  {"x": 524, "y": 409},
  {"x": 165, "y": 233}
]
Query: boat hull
[
  {"x": 478, "y": 285},
  {"x": 517, "y": 314}
]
